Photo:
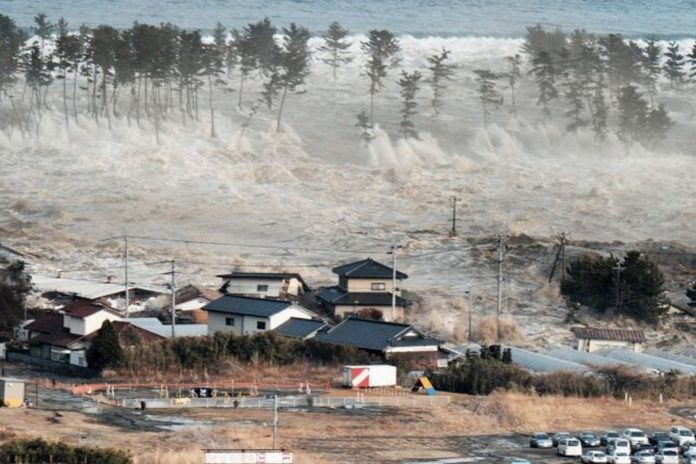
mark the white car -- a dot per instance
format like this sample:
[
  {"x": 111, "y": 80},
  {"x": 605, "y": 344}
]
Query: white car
[
  {"x": 619, "y": 457},
  {"x": 682, "y": 436},
  {"x": 636, "y": 436},
  {"x": 689, "y": 456},
  {"x": 594, "y": 457},
  {"x": 667, "y": 456},
  {"x": 643, "y": 457},
  {"x": 570, "y": 447},
  {"x": 619, "y": 444}
]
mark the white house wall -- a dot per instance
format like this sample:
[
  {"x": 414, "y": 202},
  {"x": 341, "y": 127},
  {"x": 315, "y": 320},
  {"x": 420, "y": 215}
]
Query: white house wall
[
  {"x": 249, "y": 287},
  {"x": 291, "y": 311},
  {"x": 247, "y": 325},
  {"x": 590, "y": 346}
]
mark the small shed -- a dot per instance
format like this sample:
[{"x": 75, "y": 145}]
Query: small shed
[
  {"x": 11, "y": 392},
  {"x": 591, "y": 339}
]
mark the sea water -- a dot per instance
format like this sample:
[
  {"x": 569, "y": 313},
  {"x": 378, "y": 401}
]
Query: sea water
[{"x": 443, "y": 18}]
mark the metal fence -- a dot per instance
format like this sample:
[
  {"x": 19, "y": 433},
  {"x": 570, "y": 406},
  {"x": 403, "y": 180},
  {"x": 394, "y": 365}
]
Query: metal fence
[{"x": 287, "y": 402}]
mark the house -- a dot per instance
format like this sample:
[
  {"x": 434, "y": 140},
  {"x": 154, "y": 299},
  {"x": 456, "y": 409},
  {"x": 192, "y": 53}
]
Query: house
[
  {"x": 363, "y": 286},
  {"x": 189, "y": 302},
  {"x": 388, "y": 340},
  {"x": 278, "y": 285},
  {"x": 66, "y": 337},
  {"x": 301, "y": 328},
  {"x": 591, "y": 339},
  {"x": 60, "y": 292},
  {"x": 244, "y": 315}
]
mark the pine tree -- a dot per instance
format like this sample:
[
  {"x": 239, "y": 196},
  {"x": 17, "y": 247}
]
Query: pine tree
[
  {"x": 247, "y": 60},
  {"x": 15, "y": 285},
  {"x": 43, "y": 29},
  {"x": 657, "y": 124},
  {"x": 653, "y": 53},
  {"x": 105, "y": 350},
  {"x": 620, "y": 62},
  {"x": 36, "y": 73},
  {"x": 600, "y": 110},
  {"x": 692, "y": 63},
  {"x": 488, "y": 94},
  {"x": 363, "y": 122},
  {"x": 674, "y": 65},
  {"x": 124, "y": 73},
  {"x": 382, "y": 50},
  {"x": 11, "y": 40},
  {"x": 261, "y": 36},
  {"x": 212, "y": 67},
  {"x": 293, "y": 66},
  {"x": 633, "y": 113},
  {"x": 441, "y": 71},
  {"x": 409, "y": 85},
  {"x": 67, "y": 52},
  {"x": 336, "y": 47},
  {"x": 545, "y": 74},
  {"x": 513, "y": 75},
  {"x": 102, "y": 51}
]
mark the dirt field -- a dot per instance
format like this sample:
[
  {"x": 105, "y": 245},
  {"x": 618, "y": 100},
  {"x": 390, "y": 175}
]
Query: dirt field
[{"x": 485, "y": 429}]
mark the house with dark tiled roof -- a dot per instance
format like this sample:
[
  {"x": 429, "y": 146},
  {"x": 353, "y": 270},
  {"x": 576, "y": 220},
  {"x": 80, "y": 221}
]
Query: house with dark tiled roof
[
  {"x": 277, "y": 285},
  {"x": 301, "y": 328},
  {"x": 244, "y": 315},
  {"x": 66, "y": 336},
  {"x": 590, "y": 339},
  {"x": 363, "y": 286},
  {"x": 388, "y": 340}
]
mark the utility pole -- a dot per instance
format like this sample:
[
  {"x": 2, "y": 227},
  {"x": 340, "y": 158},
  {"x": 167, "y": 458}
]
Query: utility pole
[
  {"x": 618, "y": 270},
  {"x": 453, "y": 232},
  {"x": 392, "y": 251},
  {"x": 275, "y": 420},
  {"x": 173, "y": 286},
  {"x": 471, "y": 310},
  {"x": 501, "y": 257},
  {"x": 125, "y": 241}
]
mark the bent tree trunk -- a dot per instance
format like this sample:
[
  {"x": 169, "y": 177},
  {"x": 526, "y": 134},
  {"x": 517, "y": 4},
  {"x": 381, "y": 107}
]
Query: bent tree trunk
[
  {"x": 280, "y": 107},
  {"x": 210, "y": 101}
]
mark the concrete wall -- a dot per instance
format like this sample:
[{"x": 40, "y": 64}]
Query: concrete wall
[
  {"x": 276, "y": 288},
  {"x": 345, "y": 311}
]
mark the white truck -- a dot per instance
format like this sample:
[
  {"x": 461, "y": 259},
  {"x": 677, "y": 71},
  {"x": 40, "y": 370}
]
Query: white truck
[{"x": 378, "y": 375}]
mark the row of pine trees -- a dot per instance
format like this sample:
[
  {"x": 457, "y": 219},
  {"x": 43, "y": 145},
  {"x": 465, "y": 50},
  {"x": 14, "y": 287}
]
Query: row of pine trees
[{"x": 160, "y": 73}]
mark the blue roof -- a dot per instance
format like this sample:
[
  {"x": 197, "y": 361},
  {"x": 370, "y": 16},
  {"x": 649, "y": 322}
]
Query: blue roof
[
  {"x": 248, "y": 306},
  {"x": 374, "y": 335},
  {"x": 300, "y": 328}
]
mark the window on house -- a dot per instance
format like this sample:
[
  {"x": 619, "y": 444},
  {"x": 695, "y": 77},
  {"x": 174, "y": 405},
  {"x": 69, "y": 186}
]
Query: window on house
[
  {"x": 261, "y": 325},
  {"x": 229, "y": 321},
  {"x": 262, "y": 288},
  {"x": 378, "y": 286}
]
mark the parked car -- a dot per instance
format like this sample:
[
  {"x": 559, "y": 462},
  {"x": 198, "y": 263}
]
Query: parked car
[
  {"x": 636, "y": 436},
  {"x": 667, "y": 456},
  {"x": 619, "y": 457},
  {"x": 667, "y": 445},
  {"x": 558, "y": 436},
  {"x": 540, "y": 440},
  {"x": 681, "y": 435},
  {"x": 589, "y": 440},
  {"x": 608, "y": 435},
  {"x": 594, "y": 457},
  {"x": 689, "y": 456},
  {"x": 643, "y": 457},
  {"x": 619, "y": 444},
  {"x": 570, "y": 447},
  {"x": 657, "y": 437}
]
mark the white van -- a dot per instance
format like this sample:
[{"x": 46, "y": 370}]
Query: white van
[
  {"x": 618, "y": 444},
  {"x": 682, "y": 436},
  {"x": 570, "y": 447}
]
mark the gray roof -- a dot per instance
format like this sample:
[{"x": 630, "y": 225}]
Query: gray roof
[
  {"x": 648, "y": 361},
  {"x": 154, "y": 325},
  {"x": 367, "y": 269},
  {"x": 300, "y": 328},
  {"x": 374, "y": 335},
  {"x": 691, "y": 361},
  {"x": 338, "y": 296},
  {"x": 248, "y": 306},
  {"x": 621, "y": 335},
  {"x": 539, "y": 362},
  {"x": 588, "y": 359}
]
